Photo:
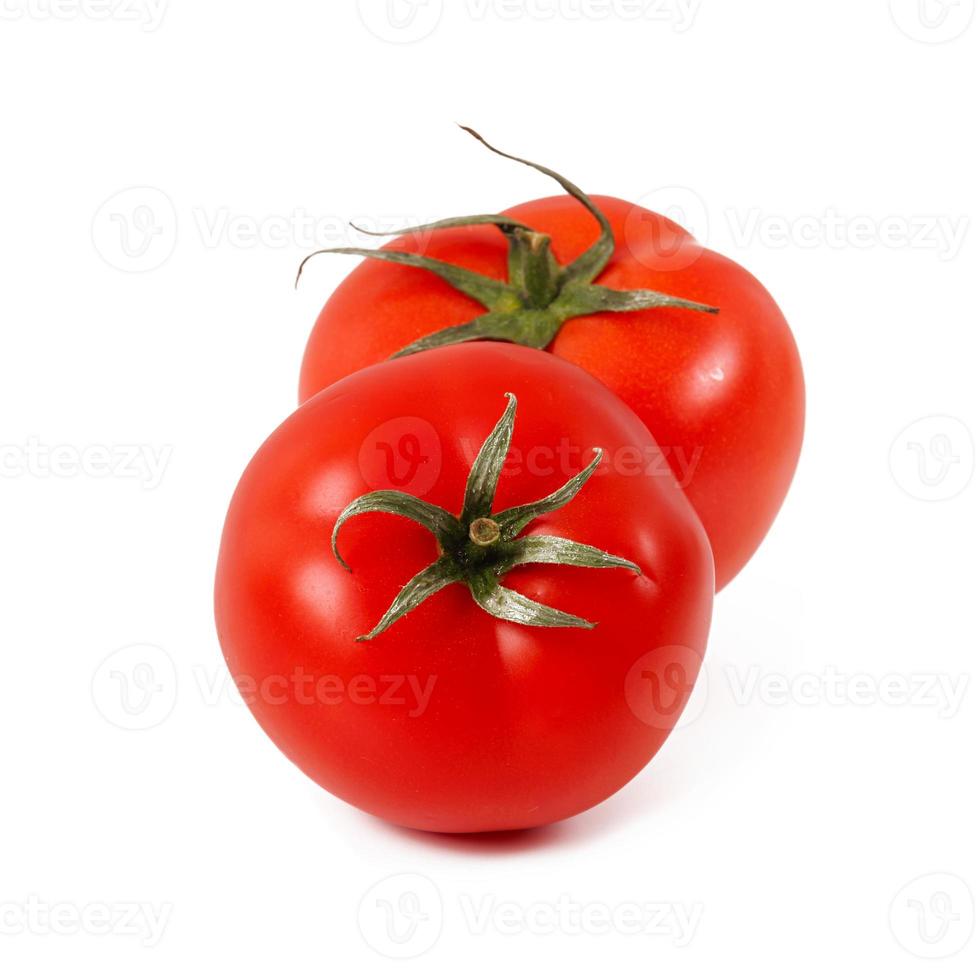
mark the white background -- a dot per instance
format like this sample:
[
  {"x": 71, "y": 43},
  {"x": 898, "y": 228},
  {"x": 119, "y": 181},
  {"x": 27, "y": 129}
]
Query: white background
[{"x": 817, "y": 812}]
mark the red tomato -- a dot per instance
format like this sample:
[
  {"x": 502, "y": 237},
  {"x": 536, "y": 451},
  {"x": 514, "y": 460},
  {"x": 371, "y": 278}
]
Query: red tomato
[
  {"x": 452, "y": 719},
  {"x": 722, "y": 394}
]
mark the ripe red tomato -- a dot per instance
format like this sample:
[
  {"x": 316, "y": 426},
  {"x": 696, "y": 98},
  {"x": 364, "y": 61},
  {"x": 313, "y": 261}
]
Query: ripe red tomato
[
  {"x": 453, "y": 719},
  {"x": 723, "y": 394}
]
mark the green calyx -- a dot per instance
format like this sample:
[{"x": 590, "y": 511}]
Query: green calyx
[
  {"x": 479, "y": 547},
  {"x": 540, "y": 295}
]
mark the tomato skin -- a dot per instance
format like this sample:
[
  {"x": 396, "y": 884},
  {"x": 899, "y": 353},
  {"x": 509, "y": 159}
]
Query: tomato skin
[
  {"x": 525, "y": 725},
  {"x": 723, "y": 395}
]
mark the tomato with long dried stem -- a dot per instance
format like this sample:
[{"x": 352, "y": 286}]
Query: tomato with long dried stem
[{"x": 687, "y": 338}]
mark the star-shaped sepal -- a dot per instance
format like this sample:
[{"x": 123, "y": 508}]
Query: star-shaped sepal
[{"x": 479, "y": 547}]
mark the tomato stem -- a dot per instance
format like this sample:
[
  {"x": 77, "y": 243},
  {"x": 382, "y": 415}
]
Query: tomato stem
[
  {"x": 540, "y": 295},
  {"x": 484, "y": 531},
  {"x": 533, "y": 271},
  {"x": 479, "y": 547}
]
